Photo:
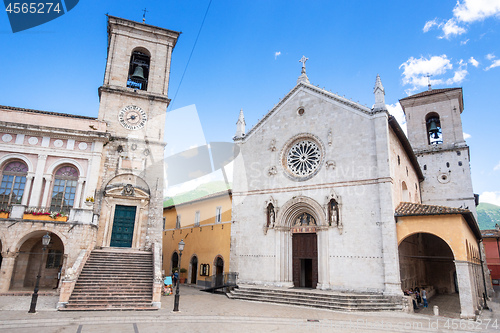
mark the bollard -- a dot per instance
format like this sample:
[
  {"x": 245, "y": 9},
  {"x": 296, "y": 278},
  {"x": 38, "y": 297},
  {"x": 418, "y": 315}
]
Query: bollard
[{"x": 436, "y": 310}]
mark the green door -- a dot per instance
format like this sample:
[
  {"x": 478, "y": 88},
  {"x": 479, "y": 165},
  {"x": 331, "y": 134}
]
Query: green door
[{"x": 123, "y": 226}]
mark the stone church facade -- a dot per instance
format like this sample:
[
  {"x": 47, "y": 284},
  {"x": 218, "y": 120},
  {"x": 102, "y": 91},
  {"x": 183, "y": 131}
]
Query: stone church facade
[{"x": 316, "y": 188}]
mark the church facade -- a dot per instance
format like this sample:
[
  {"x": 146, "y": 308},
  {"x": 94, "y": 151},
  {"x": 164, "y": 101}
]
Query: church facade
[{"x": 316, "y": 190}]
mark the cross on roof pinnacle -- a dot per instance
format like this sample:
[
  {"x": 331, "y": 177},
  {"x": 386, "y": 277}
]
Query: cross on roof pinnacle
[{"x": 303, "y": 61}]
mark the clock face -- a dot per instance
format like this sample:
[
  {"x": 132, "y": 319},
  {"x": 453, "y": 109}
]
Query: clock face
[{"x": 132, "y": 117}]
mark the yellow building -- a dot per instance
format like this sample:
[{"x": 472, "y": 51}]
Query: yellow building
[{"x": 204, "y": 224}]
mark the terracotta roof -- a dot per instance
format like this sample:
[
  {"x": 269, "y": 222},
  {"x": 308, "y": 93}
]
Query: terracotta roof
[
  {"x": 413, "y": 209},
  {"x": 492, "y": 233},
  {"x": 45, "y": 112},
  {"x": 429, "y": 92}
]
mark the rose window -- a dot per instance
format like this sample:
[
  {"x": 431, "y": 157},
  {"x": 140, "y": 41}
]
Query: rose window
[{"x": 303, "y": 158}]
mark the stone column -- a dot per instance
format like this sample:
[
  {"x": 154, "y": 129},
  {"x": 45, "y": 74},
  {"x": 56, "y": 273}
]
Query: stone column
[
  {"x": 27, "y": 187},
  {"x": 8, "y": 262},
  {"x": 48, "y": 183},
  {"x": 465, "y": 289},
  {"x": 278, "y": 278},
  {"x": 323, "y": 256},
  {"x": 78, "y": 193},
  {"x": 38, "y": 181}
]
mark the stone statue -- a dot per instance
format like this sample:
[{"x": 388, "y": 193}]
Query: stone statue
[{"x": 333, "y": 210}]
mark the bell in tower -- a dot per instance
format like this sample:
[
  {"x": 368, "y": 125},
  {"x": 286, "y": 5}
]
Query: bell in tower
[{"x": 434, "y": 130}]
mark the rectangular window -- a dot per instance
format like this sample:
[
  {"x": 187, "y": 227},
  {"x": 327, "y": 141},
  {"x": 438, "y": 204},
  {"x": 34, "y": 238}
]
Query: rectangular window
[
  {"x": 197, "y": 218},
  {"x": 218, "y": 213},
  {"x": 53, "y": 259},
  {"x": 164, "y": 221},
  {"x": 178, "y": 222}
]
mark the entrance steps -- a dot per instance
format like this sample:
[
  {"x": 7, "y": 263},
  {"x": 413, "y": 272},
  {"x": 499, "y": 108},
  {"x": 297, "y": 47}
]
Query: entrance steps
[
  {"x": 318, "y": 298},
  {"x": 114, "y": 279}
]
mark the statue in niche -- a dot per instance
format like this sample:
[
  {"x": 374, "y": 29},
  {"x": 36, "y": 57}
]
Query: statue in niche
[
  {"x": 271, "y": 216},
  {"x": 333, "y": 212}
]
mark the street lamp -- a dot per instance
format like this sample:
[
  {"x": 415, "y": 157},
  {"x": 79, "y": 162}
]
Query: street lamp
[
  {"x": 34, "y": 298},
  {"x": 176, "y": 300}
]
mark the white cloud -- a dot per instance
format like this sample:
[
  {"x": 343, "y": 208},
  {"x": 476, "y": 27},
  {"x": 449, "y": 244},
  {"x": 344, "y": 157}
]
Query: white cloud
[
  {"x": 476, "y": 10},
  {"x": 490, "y": 56},
  {"x": 473, "y": 62},
  {"x": 430, "y": 24},
  {"x": 495, "y": 63},
  {"x": 466, "y": 136},
  {"x": 450, "y": 29},
  {"x": 460, "y": 73},
  {"x": 490, "y": 197},
  {"x": 497, "y": 167},
  {"x": 397, "y": 111},
  {"x": 464, "y": 42},
  {"x": 415, "y": 71},
  {"x": 465, "y": 12},
  {"x": 277, "y": 54}
]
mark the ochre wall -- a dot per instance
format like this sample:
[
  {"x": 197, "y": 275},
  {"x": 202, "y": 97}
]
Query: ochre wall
[
  {"x": 208, "y": 241},
  {"x": 453, "y": 229}
]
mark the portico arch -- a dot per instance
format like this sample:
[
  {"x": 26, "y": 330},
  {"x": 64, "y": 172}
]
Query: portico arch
[
  {"x": 288, "y": 215},
  {"x": 29, "y": 258}
]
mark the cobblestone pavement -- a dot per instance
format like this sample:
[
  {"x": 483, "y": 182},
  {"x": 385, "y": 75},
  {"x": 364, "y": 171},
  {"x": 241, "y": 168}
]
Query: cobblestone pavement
[{"x": 204, "y": 312}]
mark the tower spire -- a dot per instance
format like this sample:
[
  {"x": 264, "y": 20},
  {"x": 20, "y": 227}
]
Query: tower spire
[
  {"x": 379, "y": 92},
  {"x": 240, "y": 126}
]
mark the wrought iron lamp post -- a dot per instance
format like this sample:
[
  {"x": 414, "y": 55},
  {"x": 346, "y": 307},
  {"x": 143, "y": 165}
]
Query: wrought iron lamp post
[
  {"x": 176, "y": 300},
  {"x": 34, "y": 297}
]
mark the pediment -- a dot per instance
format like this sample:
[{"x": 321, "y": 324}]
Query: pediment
[{"x": 126, "y": 191}]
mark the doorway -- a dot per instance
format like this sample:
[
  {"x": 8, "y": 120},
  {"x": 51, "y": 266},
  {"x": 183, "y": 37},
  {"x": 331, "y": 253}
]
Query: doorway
[
  {"x": 305, "y": 260},
  {"x": 194, "y": 269},
  {"x": 123, "y": 226}
]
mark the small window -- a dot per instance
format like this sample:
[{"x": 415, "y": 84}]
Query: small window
[
  {"x": 447, "y": 164},
  {"x": 164, "y": 221},
  {"x": 54, "y": 259},
  {"x": 178, "y": 222},
  {"x": 218, "y": 213},
  {"x": 425, "y": 166},
  {"x": 399, "y": 160},
  {"x": 197, "y": 218},
  {"x": 459, "y": 163}
]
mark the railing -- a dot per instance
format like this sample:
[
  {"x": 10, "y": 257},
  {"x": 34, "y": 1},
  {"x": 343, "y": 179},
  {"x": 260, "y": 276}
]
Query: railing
[
  {"x": 40, "y": 210},
  {"x": 217, "y": 281}
]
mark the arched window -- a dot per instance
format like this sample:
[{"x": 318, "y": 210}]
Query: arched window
[
  {"x": 138, "y": 72},
  {"x": 405, "y": 193},
  {"x": 434, "y": 133},
  {"x": 13, "y": 183},
  {"x": 63, "y": 193}
]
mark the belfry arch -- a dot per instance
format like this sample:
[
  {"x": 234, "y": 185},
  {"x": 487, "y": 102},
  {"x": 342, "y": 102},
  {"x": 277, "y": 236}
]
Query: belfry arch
[{"x": 302, "y": 262}]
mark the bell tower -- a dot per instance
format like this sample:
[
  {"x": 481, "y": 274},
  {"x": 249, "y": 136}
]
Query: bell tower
[
  {"x": 133, "y": 103},
  {"x": 436, "y": 135}
]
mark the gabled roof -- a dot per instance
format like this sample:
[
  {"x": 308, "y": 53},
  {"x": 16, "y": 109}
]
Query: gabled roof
[
  {"x": 310, "y": 87},
  {"x": 413, "y": 209},
  {"x": 429, "y": 93}
]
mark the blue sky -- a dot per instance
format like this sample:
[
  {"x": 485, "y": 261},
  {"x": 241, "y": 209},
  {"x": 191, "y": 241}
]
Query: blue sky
[{"x": 247, "y": 58}]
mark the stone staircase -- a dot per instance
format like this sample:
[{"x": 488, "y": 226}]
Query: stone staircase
[
  {"x": 114, "y": 279},
  {"x": 318, "y": 299}
]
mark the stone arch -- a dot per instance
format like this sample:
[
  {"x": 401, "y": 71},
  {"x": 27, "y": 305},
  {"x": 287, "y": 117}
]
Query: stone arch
[
  {"x": 174, "y": 261},
  {"x": 31, "y": 257},
  {"x": 427, "y": 260},
  {"x": 127, "y": 178},
  {"x": 51, "y": 169},
  {"x": 298, "y": 205},
  {"x": 401, "y": 239},
  {"x": 7, "y": 158}
]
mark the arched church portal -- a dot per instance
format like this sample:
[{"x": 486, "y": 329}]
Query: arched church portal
[{"x": 304, "y": 251}]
